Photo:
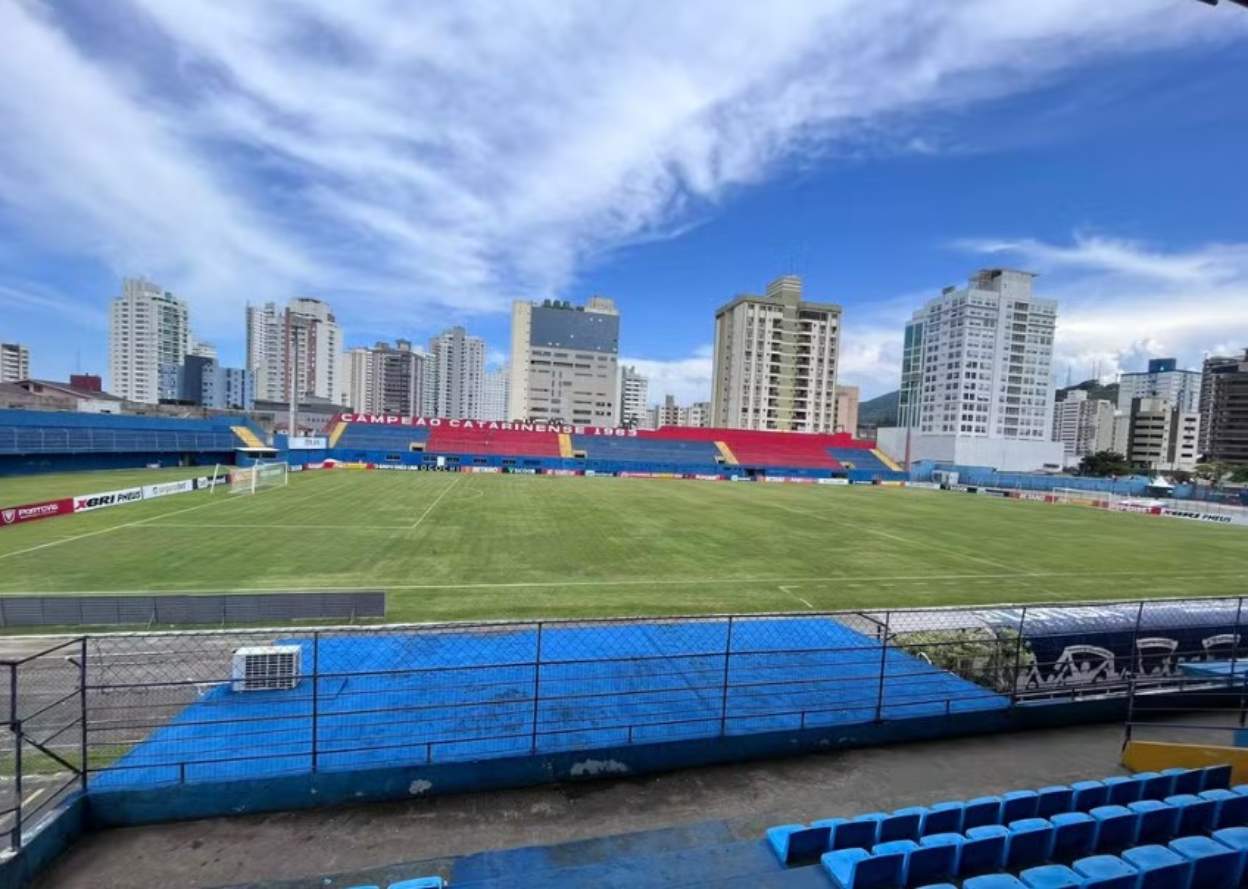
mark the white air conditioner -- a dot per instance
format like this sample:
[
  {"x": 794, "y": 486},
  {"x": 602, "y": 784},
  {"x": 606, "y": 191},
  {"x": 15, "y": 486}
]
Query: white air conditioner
[{"x": 266, "y": 667}]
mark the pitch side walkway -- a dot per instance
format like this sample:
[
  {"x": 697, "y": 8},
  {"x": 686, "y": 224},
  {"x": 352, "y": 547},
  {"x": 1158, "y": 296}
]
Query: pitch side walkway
[{"x": 369, "y": 844}]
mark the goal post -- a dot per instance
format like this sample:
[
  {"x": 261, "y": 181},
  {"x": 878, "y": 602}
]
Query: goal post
[{"x": 259, "y": 477}]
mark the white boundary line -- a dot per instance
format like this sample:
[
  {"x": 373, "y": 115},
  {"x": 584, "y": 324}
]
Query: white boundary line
[
  {"x": 664, "y": 581},
  {"x": 436, "y": 500}
]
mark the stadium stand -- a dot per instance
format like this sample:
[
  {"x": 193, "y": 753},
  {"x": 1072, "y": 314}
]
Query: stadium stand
[
  {"x": 41, "y": 441},
  {"x": 359, "y": 437},
  {"x": 500, "y": 442},
  {"x": 697, "y": 454},
  {"x": 1155, "y": 835}
]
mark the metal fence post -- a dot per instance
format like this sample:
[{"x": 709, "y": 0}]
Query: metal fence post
[
  {"x": 1018, "y": 656},
  {"x": 15, "y": 727},
  {"x": 1134, "y": 663},
  {"x": 879, "y": 701},
  {"x": 537, "y": 685},
  {"x": 316, "y": 694},
  {"x": 723, "y": 702},
  {"x": 82, "y": 688}
]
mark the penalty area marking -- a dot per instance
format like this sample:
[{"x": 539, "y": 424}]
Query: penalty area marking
[{"x": 787, "y": 588}]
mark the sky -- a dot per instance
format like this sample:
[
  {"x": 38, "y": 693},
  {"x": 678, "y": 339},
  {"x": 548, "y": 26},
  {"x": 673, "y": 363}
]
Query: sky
[{"x": 423, "y": 165}]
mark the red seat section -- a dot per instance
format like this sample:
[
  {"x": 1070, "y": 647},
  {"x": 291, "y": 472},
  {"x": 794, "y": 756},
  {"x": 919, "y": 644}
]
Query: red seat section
[
  {"x": 756, "y": 448},
  {"x": 501, "y": 442}
]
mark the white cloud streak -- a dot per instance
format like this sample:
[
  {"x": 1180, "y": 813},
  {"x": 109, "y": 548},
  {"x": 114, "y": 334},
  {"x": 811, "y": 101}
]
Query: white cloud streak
[{"x": 403, "y": 160}]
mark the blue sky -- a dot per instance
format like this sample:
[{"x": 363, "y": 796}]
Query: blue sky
[{"x": 418, "y": 166}]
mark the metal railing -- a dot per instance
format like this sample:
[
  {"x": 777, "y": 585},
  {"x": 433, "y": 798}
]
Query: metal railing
[{"x": 141, "y": 710}]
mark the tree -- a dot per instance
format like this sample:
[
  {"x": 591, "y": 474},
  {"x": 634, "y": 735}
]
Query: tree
[
  {"x": 1104, "y": 463},
  {"x": 1240, "y": 475},
  {"x": 1212, "y": 473}
]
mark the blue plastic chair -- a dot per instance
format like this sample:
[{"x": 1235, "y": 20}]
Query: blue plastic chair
[
  {"x": 1215, "y": 777},
  {"x": 946, "y": 818},
  {"x": 900, "y": 825},
  {"x": 1051, "y": 876},
  {"x": 1074, "y": 835},
  {"x": 1107, "y": 872},
  {"x": 1115, "y": 827},
  {"x": 984, "y": 850},
  {"x": 953, "y": 841},
  {"x": 1088, "y": 795},
  {"x": 1054, "y": 799},
  {"x": 1019, "y": 804},
  {"x": 921, "y": 864},
  {"x": 981, "y": 811},
  {"x": 1155, "y": 785},
  {"x": 797, "y": 842},
  {"x": 1159, "y": 822},
  {"x": 845, "y": 833},
  {"x": 1186, "y": 780},
  {"x": 419, "y": 883},
  {"x": 1235, "y": 838},
  {"x": 1230, "y": 809},
  {"x": 1030, "y": 845},
  {"x": 1123, "y": 789},
  {"x": 859, "y": 869},
  {"x": 1195, "y": 814},
  {"x": 1159, "y": 867},
  {"x": 1214, "y": 866},
  {"x": 994, "y": 881}
]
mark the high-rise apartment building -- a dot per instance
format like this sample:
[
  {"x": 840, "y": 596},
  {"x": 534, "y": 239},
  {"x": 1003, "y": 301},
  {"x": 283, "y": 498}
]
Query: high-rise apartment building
[
  {"x": 1224, "y": 410},
  {"x": 458, "y": 374},
  {"x": 846, "y": 410},
  {"x": 564, "y": 362},
  {"x": 976, "y": 384},
  {"x": 148, "y": 336},
  {"x": 202, "y": 381},
  {"x": 1083, "y": 426},
  {"x": 1160, "y": 436},
  {"x": 389, "y": 380},
  {"x": 775, "y": 361},
  {"x": 494, "y": 395},
  {"x": 1162, "y": 380},
  {"x": 696, "y": 415},
  {"x": 14, "y": 362},
  {"x": 304, "y": 339},
  {"x": 634, "y": 389}
]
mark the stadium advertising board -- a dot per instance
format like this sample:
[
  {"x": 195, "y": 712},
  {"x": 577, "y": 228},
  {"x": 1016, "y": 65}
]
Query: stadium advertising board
[
  {"x": 832, "y": 481},
  {"x": 307, "y": 443},
  {"x": 496, "y": 425},
  {"x": 88, "y": 502},
  {"x": 29, "y": 512},
  {"x": 1195, "y": 515},
  {"x": 167, "y": 488}
]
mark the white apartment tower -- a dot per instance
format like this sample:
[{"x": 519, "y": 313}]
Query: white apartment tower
[
  {"x": 1163, "y": 380},
  {"x": 305, "y": 338},
  {"x": 775, "y": 361},
  {"x": 494, "y": 395},
  {"x": 14, "y": 362},
  {"x": 148, "y": 336},
  {"x": 388, "y": 380},
  {"x": 564, "y": 362},
  {"x": 1083, "y": 426},
  {"x": 458, "y": 374},
  {"x": 634, "y": 389}
]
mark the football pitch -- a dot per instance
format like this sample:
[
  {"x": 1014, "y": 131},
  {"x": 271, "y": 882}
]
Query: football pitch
[{"x": 456, "y": 546}]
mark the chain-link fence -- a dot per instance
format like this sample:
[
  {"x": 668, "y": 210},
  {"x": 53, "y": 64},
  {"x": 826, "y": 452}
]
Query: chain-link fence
[{"x": 142, "y": 710}]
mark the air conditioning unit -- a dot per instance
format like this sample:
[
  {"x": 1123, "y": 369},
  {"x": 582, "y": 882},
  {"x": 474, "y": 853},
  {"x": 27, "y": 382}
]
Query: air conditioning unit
[{"x": 266, "y": 667}]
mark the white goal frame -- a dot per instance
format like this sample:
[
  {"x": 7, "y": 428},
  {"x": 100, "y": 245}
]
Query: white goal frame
[{"x": 246, "y": 480}]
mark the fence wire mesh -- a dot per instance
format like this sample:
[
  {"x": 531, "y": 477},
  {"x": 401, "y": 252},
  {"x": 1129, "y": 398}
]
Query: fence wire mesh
[{"x": 143, "y": 710}]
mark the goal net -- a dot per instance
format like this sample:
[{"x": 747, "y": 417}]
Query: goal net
[{"x": 260, "y": 477}]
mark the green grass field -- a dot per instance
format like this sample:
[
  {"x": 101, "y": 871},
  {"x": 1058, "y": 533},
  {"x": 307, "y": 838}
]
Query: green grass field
[{"x": 482, "y": 546}]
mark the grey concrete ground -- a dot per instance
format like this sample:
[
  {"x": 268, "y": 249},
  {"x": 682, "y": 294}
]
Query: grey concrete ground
[{"x": 749, "y": 796}]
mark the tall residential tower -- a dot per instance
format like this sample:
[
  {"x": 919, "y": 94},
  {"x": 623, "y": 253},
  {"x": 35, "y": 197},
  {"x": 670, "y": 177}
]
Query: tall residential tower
[
  {"x": 564, "y": 362},
  {"x": 148, "y": 337}
]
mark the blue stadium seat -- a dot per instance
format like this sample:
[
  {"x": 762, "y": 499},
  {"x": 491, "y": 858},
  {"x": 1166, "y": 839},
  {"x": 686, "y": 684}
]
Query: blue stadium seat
[
  {"x": 1074, "y": 835},
  {"x": 1215, "y": 777},
  {"x": 981, "y": 811},
  {"x": 1155, "y": 785},
  {"x": 953, "y": 840},
  {"x": 1030, "y": 844},
  {"x": 419, "y": 883},
  {"x": 797, "y": 842},
  {"x": 1053, "y": 799},
  {"x": 846, "y": 833},
  {"x": 994, "y": 881},
  {"x": 1236, "y": 838},
  {"x": 1051, "y": 876},
  {"x": 921, "y": 864},
  {"x": 1088, "y": 795},
  {"x": 1214, "y": 866},
  {"x": 1019, "y": 804},
  {"x": 859, "y": 869},
  {"x": 1159, "y": 821},
  {"x": 904, "y": 824},
  {"x": 1123, "y": 789},
  {"x": 946, "y": 818},
  {"x": 1115, "y": 827},
  {"x": 1195, "y": 814},
  {"x": 1186, "y": 780},
  {"x": 984, "y": 850},
  {"x": 1107, "y": 872},
  {"x": 1230, "y": 808},
  {"x": 1159, "y": 867}
]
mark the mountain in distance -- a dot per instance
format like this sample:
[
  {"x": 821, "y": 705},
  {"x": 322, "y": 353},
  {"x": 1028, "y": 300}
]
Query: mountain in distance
[{"x": 879, "y": 411}]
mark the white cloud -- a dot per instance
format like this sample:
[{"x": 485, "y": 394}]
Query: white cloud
[
  {"x": 688, "y": 379},
  {"x": 400, "y": 159}
]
